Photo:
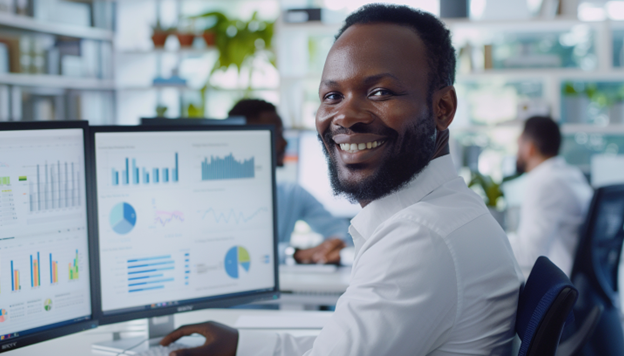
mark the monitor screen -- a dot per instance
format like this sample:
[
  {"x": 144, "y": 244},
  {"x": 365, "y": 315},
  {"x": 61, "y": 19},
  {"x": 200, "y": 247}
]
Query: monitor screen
[
  {"x": 45, "y": 280},
  {"x": 313, "y": 175},
  {"x": 185, "y": 215}
]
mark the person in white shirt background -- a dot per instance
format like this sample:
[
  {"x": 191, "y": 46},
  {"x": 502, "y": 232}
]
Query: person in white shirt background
[
  {"x": 555, "y": 202},
  {"x": 433, "y": 272}
]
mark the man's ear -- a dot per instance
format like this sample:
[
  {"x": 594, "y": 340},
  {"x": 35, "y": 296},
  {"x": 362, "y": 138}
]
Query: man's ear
[{"x": 444, "y": 107}]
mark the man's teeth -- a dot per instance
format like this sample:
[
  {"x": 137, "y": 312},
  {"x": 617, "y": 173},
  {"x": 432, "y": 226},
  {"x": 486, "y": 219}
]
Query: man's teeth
[{"x": 355, "y": 147}]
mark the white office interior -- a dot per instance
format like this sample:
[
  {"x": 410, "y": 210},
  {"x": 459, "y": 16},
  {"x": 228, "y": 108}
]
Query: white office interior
[{"x": 115, "y": 62}]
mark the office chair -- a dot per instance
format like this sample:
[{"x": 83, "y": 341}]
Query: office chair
[
  {"x": 573, "y": 346},
  {"x": 544, "y": 306},
  {"x": 595, "y": 270}
]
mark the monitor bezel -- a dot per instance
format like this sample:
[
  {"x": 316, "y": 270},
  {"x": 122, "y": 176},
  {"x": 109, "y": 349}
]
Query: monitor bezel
[
  {"x": 212, "y": 302},
  {"x": 92, "y": 322}
]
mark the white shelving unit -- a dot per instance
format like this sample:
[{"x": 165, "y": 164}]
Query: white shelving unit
[
  {"x": 30, "y": 24},
  {"x": 66, "y": 90},
  {"x": 55, "y": 81}
]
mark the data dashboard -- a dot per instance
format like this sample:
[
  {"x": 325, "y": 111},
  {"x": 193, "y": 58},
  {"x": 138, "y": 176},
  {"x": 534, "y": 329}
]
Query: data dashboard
[
  {"x": 183, "y": 215},
  {"x": 44, "y": 269}
]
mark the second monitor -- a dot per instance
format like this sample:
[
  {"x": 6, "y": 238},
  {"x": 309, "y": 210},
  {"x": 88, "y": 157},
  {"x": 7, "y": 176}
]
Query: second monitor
[{"x": 186, "y": 218}]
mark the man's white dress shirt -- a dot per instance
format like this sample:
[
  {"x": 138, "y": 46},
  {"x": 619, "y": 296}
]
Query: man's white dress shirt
[
  {"x": 433, "y": 275},
  {"x": 554, "y": 206}
]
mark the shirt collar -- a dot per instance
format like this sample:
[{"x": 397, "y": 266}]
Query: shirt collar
[
  {"x": 438, "y": 172},
  {"x": 547, "y": 164}
]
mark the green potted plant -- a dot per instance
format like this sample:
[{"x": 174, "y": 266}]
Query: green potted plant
[
  {"x": 238, "y": 42},
  {"x": 492, "y": 194},
  {"x": 159, "y": 35}
]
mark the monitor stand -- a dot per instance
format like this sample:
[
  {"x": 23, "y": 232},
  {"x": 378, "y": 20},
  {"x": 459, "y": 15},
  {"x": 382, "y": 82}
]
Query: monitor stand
[{"x": 157, "y": 328}]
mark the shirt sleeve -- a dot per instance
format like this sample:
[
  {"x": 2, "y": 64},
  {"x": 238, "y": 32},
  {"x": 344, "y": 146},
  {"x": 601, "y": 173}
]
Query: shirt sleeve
[
  {"x": 396, "y": 304},
  {"x": 319, "y": 219}
]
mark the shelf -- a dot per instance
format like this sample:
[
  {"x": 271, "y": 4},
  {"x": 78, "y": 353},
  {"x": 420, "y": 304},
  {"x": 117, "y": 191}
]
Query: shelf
[
  {"x": 529, "y": 25},
  {"x": 55, "y": 81},
  {"x": 31, "y": 24},
  {"x": 187, "y": 51},
  {"x": 616, "y": 74},
  {"x": 566, "y": 129},
  {"x": 615, "y": 129}
]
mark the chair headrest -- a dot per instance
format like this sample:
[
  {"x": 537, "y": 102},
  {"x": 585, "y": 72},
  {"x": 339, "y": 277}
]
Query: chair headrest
[{"x": 545, "y": 283}]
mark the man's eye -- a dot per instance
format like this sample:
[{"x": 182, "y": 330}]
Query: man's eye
[
  {"x": 381, "y": 92},
  {"x": 332, "y": 96}
]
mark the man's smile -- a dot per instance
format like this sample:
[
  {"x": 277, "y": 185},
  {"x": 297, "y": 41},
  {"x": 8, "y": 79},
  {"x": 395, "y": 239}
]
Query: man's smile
[{"x": 358, "y": 147}]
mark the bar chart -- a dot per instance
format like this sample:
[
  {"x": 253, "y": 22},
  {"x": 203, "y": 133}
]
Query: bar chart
[
  {"x": 53, "y": 271},
  {"x": 150, "y": 273},
  {"x": 15, "y": 279},
  {"x": 35, "y": 271},
  {"x": 132, "y": 174},
  {"x": 54, "y": 186},
  {"x": 228, "y": 167},
  {"x": 73, "y": 269}
]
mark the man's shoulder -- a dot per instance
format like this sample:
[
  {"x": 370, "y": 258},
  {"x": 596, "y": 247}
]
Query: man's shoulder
[{"x": 443, "y": 211}]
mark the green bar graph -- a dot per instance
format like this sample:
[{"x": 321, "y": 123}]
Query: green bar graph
[
  {"x": 5, "y": 180},
  {"x": 73, "y": 268}
]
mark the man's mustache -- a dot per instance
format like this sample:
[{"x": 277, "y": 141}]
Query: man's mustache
[{"x": 358, "y": 128}]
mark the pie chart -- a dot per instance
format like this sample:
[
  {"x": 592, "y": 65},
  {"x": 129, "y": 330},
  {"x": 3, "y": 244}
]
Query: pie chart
[
  {"x": 122, "y": 218},
  {"x": 3, "y": 315},
  {"x": 47, "y": 305},
  {"x": 237, "y": 261}
]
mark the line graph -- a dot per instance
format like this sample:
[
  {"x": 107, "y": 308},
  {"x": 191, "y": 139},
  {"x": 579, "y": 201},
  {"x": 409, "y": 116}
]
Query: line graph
[
  {"x": 164, "y": 217},
  {"x": 231, "y": 216}
]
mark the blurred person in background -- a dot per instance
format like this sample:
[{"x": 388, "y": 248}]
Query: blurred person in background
[
  {"x": 555, "y": 202},
  {"x": 293, "y": 202}
]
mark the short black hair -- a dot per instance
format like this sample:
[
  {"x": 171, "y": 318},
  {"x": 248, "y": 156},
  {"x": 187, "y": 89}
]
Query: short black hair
[
  {"x": 251, "y": 108},
  {"x": 545, "y": 134},
  {"x": 436, "y": 37}
]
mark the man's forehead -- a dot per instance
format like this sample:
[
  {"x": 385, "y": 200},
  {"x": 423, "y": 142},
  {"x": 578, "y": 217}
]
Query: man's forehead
[{"x": 368, "y": 49}]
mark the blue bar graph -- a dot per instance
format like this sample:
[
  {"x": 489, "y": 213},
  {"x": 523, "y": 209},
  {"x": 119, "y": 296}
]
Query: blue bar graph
[
  {"x": 227, "y": 168},
  {"x": 141, "y": 175},
  {"x": 149, "y": 273}
]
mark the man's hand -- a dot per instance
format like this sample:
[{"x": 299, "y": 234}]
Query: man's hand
[
  {"x": 327, "y": 252},
  {"x": 221, "y": 340}
]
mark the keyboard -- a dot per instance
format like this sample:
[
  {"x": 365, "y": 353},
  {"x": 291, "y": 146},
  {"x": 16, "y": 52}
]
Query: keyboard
[{"x": 161, "y": 350}]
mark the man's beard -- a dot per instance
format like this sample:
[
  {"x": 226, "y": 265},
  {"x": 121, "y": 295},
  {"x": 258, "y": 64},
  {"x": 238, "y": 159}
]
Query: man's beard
[{"x": 415, "y": 151}]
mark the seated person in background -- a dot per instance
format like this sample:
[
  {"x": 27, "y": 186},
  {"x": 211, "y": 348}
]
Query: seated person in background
[
  {"x": 293, "y": 202},
  {"x": 555, "y": 202},
  {"x": 434, "y": 273}
]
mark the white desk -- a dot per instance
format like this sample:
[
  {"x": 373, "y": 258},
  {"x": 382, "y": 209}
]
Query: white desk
[
  {"x": 80, "y": 344},
  {"x": 309, "y": 290}
]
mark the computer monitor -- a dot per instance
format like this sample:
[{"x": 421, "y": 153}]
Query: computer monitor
[
  {"x": 186, "y": 218},
  {"x": 313, "y": 175},
  {"x": 160, "y": 121},
  {"x": 45, "y": 253}
]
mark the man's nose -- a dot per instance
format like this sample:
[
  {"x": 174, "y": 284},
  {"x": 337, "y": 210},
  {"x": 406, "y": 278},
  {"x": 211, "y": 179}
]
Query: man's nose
[{"x": 352, "y": 110}]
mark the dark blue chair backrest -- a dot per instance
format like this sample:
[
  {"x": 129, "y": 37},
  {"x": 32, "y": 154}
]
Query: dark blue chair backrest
[
  {"x": 545, "y": 304},
  {"x": 595, "y": 269}
]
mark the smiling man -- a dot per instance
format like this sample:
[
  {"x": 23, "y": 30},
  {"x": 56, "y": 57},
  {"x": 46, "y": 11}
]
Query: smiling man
[{"x": 434, "y": 273}]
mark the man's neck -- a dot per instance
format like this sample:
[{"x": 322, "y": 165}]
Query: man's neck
[{"x": 536, "y": 162}]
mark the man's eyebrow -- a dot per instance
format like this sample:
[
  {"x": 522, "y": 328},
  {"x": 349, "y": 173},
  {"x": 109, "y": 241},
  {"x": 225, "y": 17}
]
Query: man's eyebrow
[
  {"x": 368, "y": 80},
  {"x": 375, "y": 78}
]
